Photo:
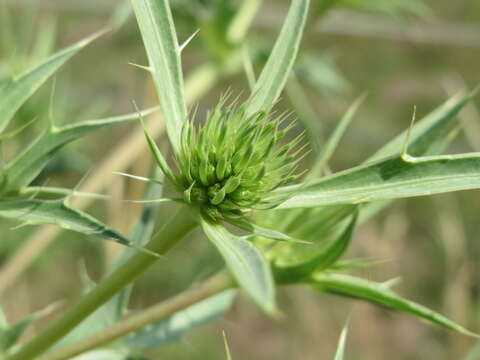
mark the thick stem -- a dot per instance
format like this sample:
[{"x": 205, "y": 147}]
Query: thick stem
[
  {"x": 171, "y": 233},
  {"x": 212, "y": 286}
]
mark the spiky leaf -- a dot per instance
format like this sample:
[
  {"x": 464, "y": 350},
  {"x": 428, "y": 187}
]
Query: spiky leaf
[
  {"x": 246, "y": 263},
  {"x": 158, "y": 32},
  {"x": 380, "y": 294},
  {"x": 25, "y": 167},
  {"x": 56, "y": 212},
  {"x": 15, "y": 92},
  {"x": 275, "y": 73},
  {"x": 393, "y": 178}
]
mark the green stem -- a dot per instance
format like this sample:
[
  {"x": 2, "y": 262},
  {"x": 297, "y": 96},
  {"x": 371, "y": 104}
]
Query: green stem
[
  {"x": 242, "y": 21},
  {"x": 170, "y": 234},
  {"x": 212, "y": 286}
]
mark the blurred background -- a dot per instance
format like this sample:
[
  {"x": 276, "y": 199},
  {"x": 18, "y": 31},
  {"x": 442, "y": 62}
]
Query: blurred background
[{"x": 400, "y": 53}]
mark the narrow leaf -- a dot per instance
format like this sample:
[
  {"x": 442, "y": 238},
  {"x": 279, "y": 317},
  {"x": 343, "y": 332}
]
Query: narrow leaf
[
  {"x": 158, "y": 32},
  {"x": 26, "y": 166},
  {"x": 377, "y": 293},
  {"x": 56, "y": 212},
  {"x": 275, "y": 73},
  {"x": 426, "y": 131},
  {"x": 14, "y": 93},
  {"x": 246, "y": 263},
  {"x": 393, "y": 178}
]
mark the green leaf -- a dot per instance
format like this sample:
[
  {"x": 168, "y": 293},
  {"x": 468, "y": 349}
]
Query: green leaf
[
  {"x": 246, "y": 263},
  {"x": 173, "y": 328},
  {"x": 397, "y": 177},
  {"x": 158, "y": 32},
  {"x": 15, "y": 92},
  {"x": 340, "y": 353},
  {"x": 323, "y": 257},
  {"x": 26, "y": 166},
  {"x": 379, "y": 294},
  {"x": 427, "y": 131},
  {"x": 275, "y": 73},
  {"x": 56, "y": 212},
  {"x": 320, "y": 71}
]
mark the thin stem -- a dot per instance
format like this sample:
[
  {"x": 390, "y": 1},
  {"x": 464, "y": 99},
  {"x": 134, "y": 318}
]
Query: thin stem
[
  {"x": 170, "y": 234},
  {"x": 212, "y": 286},
  {"x": 242, "y": 21}
]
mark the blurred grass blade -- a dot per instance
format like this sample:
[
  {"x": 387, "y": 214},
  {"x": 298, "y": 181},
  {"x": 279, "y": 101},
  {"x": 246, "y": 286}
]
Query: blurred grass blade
[
  {"x": 305, "y": 112},
  {"x": 393, "y": 178},
  {"x": 56, "y": 212},
  {"x": 227, "y": 348},
  {"x": 377, "y": 293},
  {"x": 333, "y": 140},
  {"x": 474, "y": 353},
  {"x": 320, "y": 71},
  {"x": 174, "y": 327},
  {"x": 158, "y": 32},
  {"x": 45, "y": 40},
  {"x": 246, "y": 263},
  {"x": 15, "y": 92},
  {"x": 275, "y": 73},
  {"x": 323, "y": 257},
  {"x": 26, "y": 166},
  {"x": 340, "y": 353}
]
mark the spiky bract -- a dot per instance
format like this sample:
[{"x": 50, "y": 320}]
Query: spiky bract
[{"x": 229, "y": 165}]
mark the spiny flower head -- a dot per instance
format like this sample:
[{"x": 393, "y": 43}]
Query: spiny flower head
[{"x": 229, "y": 165}]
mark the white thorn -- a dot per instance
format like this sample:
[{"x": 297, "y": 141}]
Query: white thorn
[
  {"x": 141, "y": 178},
  {"x": 409, "y": 131},
  {"x": 185, "y": 43},
  {"x": 146, "y": 68}
]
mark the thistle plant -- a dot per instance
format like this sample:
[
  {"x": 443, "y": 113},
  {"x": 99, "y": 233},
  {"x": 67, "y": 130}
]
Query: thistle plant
[
  {"x": 230, "y": 165},
  {"x": 238, "y": 168}
]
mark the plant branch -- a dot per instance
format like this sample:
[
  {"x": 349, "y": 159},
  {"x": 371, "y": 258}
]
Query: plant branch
[
  {"x": 212, "y": 286},
  {"x": 170, "y": 234},
  {"x": 198, "y": 83}
]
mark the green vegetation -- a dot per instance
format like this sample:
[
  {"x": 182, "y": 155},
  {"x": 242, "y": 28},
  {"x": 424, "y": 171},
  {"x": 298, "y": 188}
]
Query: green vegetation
[{"x": 254, "y": 177}]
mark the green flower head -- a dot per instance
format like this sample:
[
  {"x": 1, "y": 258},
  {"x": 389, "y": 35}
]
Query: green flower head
[{"x": 228, "y": 166}]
